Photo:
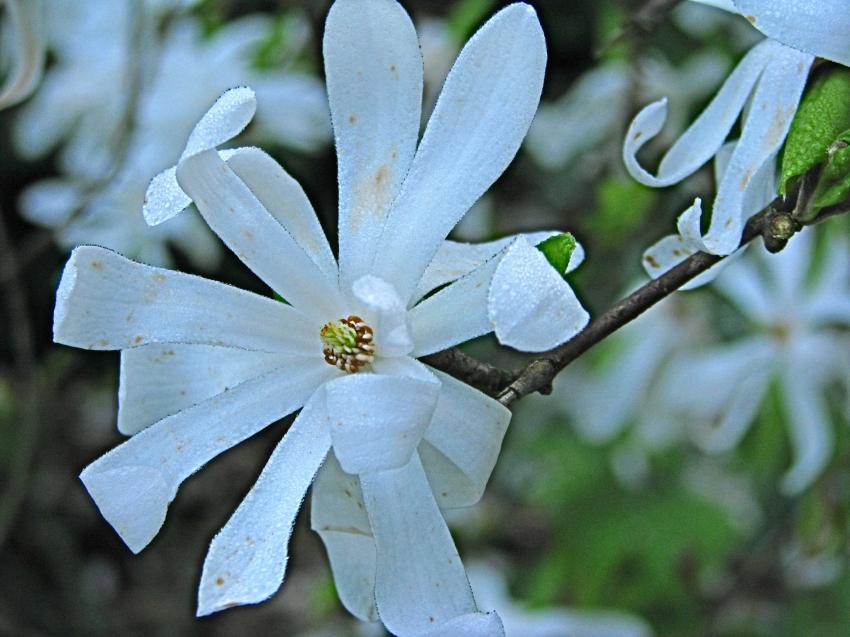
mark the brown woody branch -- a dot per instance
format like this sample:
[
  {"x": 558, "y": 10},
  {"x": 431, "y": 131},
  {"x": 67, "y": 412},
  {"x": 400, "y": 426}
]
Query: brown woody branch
[{"x": 776, "y": 224}]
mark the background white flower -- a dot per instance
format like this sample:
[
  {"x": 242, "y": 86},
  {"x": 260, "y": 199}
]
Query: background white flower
[
  {"x": 798, "y": 316},
  {"x": 98, "y": 197}
]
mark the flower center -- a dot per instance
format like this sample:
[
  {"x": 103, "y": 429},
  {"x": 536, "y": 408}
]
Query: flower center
[{"x": 347, "y": 344}]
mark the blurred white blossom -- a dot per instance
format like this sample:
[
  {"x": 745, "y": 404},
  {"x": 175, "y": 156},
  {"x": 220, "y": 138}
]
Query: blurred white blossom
[
  {"x": 798, "y": 313},
  {"x": 118, "y": 145},
  {"x": 590, "y": 114},
  {"x": 22, "y": 49},
  {"x": 205, "y": 366}
]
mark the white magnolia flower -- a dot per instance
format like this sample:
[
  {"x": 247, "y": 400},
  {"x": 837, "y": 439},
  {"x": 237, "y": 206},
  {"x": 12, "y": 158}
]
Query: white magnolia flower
[
  {"x": 22, "y": 60},
  {"x": 204, "y": 365},
  {"x": 797, "y": 341},
  {"x": 491, "y": 591},
  {"x": 108, "y": 215},
  {"x": 770, "y": 78}
]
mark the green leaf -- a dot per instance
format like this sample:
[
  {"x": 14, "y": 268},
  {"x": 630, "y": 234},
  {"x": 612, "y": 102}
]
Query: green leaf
[
  {"x": 558, "y": 250},
  {"x": 834, "y": 184},
  {"x": 622, "y": 205},
  {"x": 465, "y": 17},
  {"x": 823, "y": 115}
]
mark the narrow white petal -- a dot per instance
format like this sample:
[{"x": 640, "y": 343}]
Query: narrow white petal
[
  {"x": 462, "y": 442},
  {"x": 454, "y": 259},
  {"x": 164, "y": 198},
  {"x": 378, "y": 420},
  {"x": 385, "y": 312},
  {"x": 105, "y": 301},
  {"x": 255, "y": 236},
  {"x": 470, "y": 625},
  {"x": 286, "y": 201},
  {"x": 808, "y": 426},
  {"x": 338, "y": 515},
  {"x": 484, "y": 111},
  {"x": 706, "y": 135},
  {"x": 818, "y": 27},
  {"x": 531, "y": 306},
  {"x": 247, "y": 559},
  {"x": 159, "y": 380},
  {"x": 764, "y": 129},
  {"x": 420, "y": 581},
  {"x": 133, "y": 484},
  {"x": 374, "y": 74}
]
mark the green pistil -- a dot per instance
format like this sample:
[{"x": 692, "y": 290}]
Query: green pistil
[{"x": 338, "y": 337}]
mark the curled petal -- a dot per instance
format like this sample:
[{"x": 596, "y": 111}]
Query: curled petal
[
  {"x": 706, "y": 135},
  {"x": 230, "y": 114},
  {"x": 530, "y": 305}
]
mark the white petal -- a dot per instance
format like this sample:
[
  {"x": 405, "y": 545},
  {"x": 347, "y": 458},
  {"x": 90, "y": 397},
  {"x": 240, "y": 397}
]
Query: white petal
[
  {"x": 764, "y": 129},
  {"x": 385, "y": 312},
  {"x": 286, "y": 201},
  {"x": 454, "y": 260},
  {"x": 671, "y": 250},
  {"x": 247, "y": 559},
  {"x": 462, "y": 442},
  {"x": 159, "y": 380},
  {"x": 338, "y": 515},
  {"x": 530, "y": 305},
  {"x": 133, "y": 484},
  {"x": 470, "y": 625},
  {"x": 818, "y": 27},
  {"x": 230, "y": 114},
  {"x": 378, "y": 420},
  {"x": 105, "y": 301},
  {"x": 243, "y": 223},
  {"x": 483, "y": 113},
  {"x": 809, "y": 429},
  {"x": 455, "y": 314},
  {"x": 706, "y": 135},
  {"x": 374, "y": 75},
  {"x": 420, "y": 581}
]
